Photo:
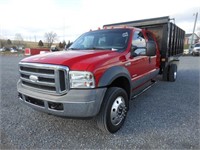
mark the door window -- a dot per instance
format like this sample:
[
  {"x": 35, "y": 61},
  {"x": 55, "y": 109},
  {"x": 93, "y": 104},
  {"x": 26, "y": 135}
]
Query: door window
[{"x": 138, "y": 40}]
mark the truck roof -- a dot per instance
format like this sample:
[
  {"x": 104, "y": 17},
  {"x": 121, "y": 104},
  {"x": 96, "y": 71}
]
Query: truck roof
[
  {"x": 120, "y": 27},
  {"x": 116, "y": 27}
]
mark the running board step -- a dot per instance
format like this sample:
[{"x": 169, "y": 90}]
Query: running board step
[{"x": 144, "y": 90}]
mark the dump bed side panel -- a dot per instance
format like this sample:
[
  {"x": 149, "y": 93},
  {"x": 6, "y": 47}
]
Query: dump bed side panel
[{"x": 176, "y": 40}]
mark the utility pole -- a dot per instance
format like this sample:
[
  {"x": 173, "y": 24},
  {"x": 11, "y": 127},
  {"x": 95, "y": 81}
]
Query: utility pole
[
  {"x": 196, "y": 16},
  {"x": 63, "y": 29}
]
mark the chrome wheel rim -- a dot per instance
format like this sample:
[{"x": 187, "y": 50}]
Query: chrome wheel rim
[
  {"x": 118, "y": 111},
  {"x": 175, "y": 74}
]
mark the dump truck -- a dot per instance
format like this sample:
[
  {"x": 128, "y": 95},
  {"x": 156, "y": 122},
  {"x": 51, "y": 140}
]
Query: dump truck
[{"x": 99, "y": 74}]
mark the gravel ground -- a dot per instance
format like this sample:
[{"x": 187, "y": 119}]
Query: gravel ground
[{"x": 164, "y": 117}]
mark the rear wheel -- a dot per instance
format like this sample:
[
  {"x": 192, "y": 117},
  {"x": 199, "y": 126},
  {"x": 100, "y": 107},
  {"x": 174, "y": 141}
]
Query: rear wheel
[
  {"x": 113, "y": 110},
  {"x": 170, "y": 73},
  {"x": 173, "y": 72},
  {"x": 166, "y": 74}
]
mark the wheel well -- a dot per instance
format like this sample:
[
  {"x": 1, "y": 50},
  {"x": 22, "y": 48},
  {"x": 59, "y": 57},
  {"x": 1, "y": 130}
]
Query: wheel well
[{"x": 123, "y": 83}]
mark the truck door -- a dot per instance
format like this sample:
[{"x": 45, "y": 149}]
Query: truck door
[
  {"x": 152, "y": 59},
  {"x": 139, "y": 62}
]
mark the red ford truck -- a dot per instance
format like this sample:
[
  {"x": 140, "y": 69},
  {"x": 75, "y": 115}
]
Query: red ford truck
[{"x": 99, "y": 73}]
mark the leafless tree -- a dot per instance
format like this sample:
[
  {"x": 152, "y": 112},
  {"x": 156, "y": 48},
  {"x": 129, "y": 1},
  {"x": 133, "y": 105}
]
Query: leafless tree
[
  {"x": 2, "y": 43},
  {"x": 18, "y": 39},
  {"x": 9, "y": 42},
  {"x": 50, "y": 37}
]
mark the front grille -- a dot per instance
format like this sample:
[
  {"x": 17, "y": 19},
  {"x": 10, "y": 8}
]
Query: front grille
[{"x": 44, "y": 78}]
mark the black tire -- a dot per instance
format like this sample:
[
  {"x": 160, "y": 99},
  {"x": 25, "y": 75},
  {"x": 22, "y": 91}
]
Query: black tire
[
  {"x": 166, "y": 74},
  {"x": 172, "y": 72},
  {"x": 115, "y": 103}
]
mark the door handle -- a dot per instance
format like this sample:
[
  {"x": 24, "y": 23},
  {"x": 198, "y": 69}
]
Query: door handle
[
  {"x": 128, "y": 63},
  {"x": 149, "y": 59}
]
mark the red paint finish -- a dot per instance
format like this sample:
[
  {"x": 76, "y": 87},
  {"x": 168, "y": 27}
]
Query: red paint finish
[{"x": 98, "y": 61}]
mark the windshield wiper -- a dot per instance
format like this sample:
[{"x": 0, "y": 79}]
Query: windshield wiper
[
  {"x": 97, "y": 48},
  {"x": 94, "y": 48},
  {"x": 88, "y": 48},
  {"x": 73, "y": 48}
]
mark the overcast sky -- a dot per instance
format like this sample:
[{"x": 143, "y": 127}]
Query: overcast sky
[{"x": 70, "y": 18}]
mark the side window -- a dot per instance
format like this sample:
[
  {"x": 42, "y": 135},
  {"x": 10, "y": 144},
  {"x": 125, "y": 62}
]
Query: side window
[
  {"x": 150, "y": 38},
  {"x": 139, "y": 41}
]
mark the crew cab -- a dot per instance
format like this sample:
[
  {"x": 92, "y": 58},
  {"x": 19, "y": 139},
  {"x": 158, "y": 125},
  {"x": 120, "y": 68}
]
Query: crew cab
[{"x": 98, "y": 74}]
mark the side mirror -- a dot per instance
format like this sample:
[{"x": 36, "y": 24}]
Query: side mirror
[
  {"x": 133, "y": 48},
  {"x": 151, "y": 48}
]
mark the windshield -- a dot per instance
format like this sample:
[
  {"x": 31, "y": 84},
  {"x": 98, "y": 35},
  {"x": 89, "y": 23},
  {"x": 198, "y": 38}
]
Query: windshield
[{"x": 115, "y": 39}]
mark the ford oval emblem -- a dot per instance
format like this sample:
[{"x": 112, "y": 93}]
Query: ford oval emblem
[{"x": 33, "y": 78}]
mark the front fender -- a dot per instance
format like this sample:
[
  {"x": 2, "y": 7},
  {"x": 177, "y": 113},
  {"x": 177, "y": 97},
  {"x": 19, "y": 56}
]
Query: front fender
[{"x": 113, "y": 73}]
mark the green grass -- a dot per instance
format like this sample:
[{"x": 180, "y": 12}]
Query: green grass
[{"x": 186, "y": 46}]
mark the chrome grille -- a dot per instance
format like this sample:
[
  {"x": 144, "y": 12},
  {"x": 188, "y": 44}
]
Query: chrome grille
[{"x": 44, "y": 78}]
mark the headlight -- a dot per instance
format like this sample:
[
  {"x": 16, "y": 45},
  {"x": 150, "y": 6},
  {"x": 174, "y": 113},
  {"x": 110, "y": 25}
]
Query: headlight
[{"x": 81, "y": 79}]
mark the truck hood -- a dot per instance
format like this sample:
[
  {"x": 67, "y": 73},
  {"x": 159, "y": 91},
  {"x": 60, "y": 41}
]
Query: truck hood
[{"x": 75, "y": 60}]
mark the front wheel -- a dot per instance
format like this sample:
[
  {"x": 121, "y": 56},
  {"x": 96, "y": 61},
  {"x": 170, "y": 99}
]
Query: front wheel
[{"x": 113, "y": 110}]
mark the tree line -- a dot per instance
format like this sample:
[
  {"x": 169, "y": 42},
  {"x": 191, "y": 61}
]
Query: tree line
[
  {"x": 61, "y": 45},
  {"x": 49, "y": 38}
]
